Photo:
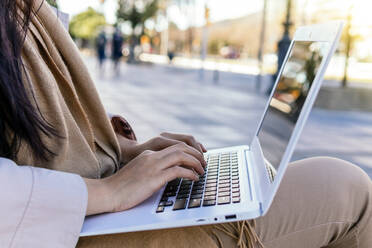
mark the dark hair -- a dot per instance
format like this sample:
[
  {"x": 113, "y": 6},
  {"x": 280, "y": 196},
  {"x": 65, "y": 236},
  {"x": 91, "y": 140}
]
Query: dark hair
[{"x": 20, "y": 117}]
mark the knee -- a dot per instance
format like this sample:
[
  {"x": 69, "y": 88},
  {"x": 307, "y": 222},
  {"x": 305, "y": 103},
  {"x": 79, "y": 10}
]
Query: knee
[{"x": 339, "y": 174}]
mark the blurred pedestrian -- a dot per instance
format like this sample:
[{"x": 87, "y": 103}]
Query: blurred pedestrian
[
  {"x": 117, "y": 45},
  {"x": 170, "y": 56},
  {"x": 101, "y": 43}
]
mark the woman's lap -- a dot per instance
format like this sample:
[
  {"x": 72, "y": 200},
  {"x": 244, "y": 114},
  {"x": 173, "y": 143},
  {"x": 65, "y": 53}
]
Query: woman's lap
[{"x": 320, "y": 201}]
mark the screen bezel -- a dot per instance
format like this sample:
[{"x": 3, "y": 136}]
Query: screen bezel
[
  {"x": 292, "y": 49},
  {"x": 330, "y": 33}
]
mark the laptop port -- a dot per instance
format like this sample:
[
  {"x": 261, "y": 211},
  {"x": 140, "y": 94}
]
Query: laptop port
[{"x": 230, "y": 217}]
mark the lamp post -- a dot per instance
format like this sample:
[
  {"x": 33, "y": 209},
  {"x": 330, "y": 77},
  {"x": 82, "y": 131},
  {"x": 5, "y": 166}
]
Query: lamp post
[
  {"x": 285, "y": 42},
  {"x": 204, "y": 45}
]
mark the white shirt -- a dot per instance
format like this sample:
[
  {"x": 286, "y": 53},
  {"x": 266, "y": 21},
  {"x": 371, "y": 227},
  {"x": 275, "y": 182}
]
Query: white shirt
[{"x": 39, "y": 207}]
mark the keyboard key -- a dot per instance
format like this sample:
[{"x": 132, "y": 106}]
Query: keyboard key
[
  {"x": 210, "y": 197},
  {"x": 212, "y": 176},
  {"x": 235, "y": 194},
  {"x": 212, "y": 173},
  {"x": 224, "y": 177},
  {"x": 220, "y": 194},
  {"x": 197, "y": 187},
  {"x": 224, "y": 181},
  {"x": 235, "y": 186},
  {"x": 209, "y": 189},
  {"x": 170, "y": 188},
  {"x": 185, "y": 184},
  {"x": 235, "y": 181},
  {"x": 198, "y": 191},
  {"x": 185, "y": 187},
  {"x": 236, "y": 199},
  {"x": 224, "y": 190},
  {"x": 184, "y": 192},
  {"x": 170, "y": 194},
  {"x": 194, "y": 203},
  {"x": 211, "y": 181},
  {"x": 160, "y": 209},
  {"x": 198, "y": 184},
  {"x": 211, "y": 185},
  {"x": 175, "y": 182},
  {"x": 182, "y": 196},
  {"x": 180, "y": 204},
  {"x": 223, "y": 200},
  {"x": 209, "y": 203},
  {"x": 235, "y": 190},
  {"x": 224, "y": 174},
  {"x": 166, "y": 203},
  {"x": 198, "y": 196},
  {"x": 224, "y": 185},
  {"x": 210, "y": 193}
]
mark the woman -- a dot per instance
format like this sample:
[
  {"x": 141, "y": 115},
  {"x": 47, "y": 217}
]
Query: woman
[{"x": 51, "y": 119}]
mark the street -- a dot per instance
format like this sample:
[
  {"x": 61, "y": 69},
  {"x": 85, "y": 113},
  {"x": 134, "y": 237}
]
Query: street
[{"x": 157, "y": 98}]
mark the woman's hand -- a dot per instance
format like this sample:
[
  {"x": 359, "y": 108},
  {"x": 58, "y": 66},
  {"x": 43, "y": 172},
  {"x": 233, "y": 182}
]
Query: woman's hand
[
  {"x": 131, "y": 149},
  {"x": 142, "y": 177}
]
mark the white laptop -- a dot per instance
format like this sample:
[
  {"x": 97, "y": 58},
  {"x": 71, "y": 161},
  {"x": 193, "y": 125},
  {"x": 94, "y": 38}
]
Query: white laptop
[{"x": 240, "y": 182}]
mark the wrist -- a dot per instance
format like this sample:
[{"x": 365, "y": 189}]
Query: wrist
[
  {"x": 99, "y": 196},
  {"x": 129, "y": 149}
]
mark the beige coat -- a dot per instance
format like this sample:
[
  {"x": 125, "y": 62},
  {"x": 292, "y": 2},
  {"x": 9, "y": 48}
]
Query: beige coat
[{"x": 68, "y": 100}]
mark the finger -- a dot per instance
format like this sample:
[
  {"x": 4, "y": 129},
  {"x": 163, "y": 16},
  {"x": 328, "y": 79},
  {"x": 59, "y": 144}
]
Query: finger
[
  {"x": 177, "y": 172},
  {"x": 190, "y": 140},
  {"x": 178, "y": 157},
  {"x": 160, "y": 143},
  {"x": 190, "y": 150},
  {"x": 203, "y": 147}
]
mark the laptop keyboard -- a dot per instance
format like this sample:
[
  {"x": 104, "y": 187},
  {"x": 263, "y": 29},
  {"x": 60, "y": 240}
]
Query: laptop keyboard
[{"x": 219, "y": 185}]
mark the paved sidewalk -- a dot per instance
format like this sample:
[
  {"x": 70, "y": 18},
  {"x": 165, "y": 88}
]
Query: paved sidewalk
[{"x": 163, "y": 98}]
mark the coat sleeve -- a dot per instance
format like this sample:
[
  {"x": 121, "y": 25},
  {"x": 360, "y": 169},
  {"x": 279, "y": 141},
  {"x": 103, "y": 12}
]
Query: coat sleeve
[{"x": 39, "y": 207}]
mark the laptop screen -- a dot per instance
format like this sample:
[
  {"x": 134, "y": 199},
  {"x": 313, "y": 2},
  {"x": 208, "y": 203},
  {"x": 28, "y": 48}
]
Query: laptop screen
[{"x": 289, "y": 97}]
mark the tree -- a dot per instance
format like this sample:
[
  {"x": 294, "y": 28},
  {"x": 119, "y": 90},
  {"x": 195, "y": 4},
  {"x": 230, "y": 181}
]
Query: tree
[
  {"x": 136, "y": 12},
  {"x": 85, "y": 25}
]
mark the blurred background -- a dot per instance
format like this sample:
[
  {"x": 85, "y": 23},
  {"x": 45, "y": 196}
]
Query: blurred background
[{"x": 206, "y": 67}]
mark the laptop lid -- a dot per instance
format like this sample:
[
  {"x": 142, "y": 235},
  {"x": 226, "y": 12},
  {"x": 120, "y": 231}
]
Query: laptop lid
[{"x": 289, "y": 105}]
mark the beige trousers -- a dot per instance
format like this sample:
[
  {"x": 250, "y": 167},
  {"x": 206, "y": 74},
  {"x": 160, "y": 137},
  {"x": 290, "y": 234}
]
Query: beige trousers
[{"x": 322, "y": 202}]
